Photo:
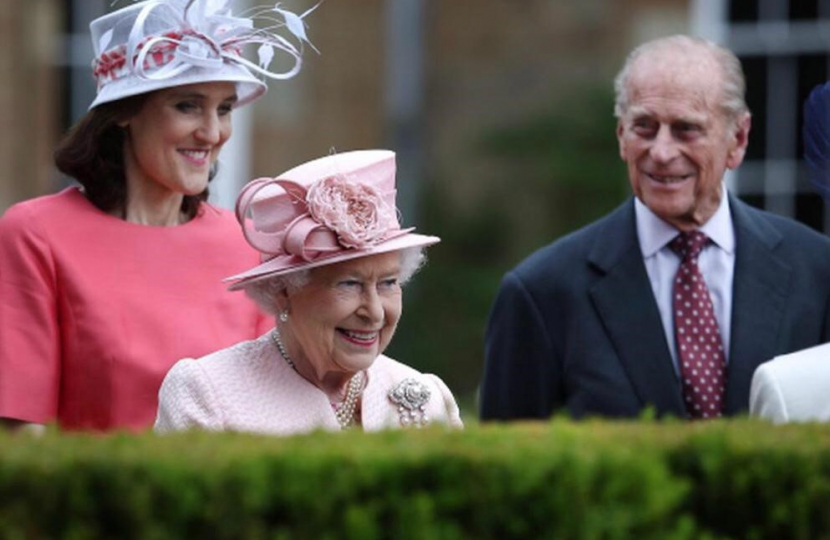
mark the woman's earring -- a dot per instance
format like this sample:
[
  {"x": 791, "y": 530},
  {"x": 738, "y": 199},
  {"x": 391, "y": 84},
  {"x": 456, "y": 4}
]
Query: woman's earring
[{"x": 284, "y": 316}]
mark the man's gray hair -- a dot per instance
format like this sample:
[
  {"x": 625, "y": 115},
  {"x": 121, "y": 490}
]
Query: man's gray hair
[
  {"x": 734, "y": 85},
  {"x": 264, "y": 292}
]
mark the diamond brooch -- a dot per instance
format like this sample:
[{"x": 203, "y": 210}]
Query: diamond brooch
[{"x": 411, "y": 397}]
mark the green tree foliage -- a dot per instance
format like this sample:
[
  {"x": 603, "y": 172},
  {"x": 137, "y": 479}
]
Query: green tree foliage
[{"x": 555, "y": 172}]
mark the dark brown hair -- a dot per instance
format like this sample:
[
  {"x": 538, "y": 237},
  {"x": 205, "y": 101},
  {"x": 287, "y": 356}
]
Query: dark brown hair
[{"x": 92, "y": 152}]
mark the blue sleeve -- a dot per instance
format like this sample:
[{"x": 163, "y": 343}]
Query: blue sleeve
[{"x": 522, "y": 376}]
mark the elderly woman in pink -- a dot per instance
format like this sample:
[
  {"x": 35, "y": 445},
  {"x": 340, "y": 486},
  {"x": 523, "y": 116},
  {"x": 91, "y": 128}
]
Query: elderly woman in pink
[{"x": 335, "y": 260}]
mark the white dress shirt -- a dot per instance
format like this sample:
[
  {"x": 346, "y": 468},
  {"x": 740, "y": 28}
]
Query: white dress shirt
[{"x": 716, "y": 263}]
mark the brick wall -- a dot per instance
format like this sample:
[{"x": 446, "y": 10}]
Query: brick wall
[
  {"x": 28, "y": 97},
  {"x": 488, "y": 63}
]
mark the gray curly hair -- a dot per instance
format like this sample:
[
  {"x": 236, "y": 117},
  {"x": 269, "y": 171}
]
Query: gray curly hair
[
  {"x": 733, "y": 82},
  {"x": 264, "y": 292}
]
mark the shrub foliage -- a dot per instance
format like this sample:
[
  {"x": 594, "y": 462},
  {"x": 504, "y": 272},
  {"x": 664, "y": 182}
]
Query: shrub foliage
[{"x": 591, "y": 480}]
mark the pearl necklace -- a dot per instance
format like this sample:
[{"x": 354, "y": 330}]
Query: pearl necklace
[
  {"x": 275, "y": 336},
  {"x": 343, "y": 412}
]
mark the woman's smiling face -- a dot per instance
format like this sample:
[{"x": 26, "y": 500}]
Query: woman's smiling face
[
  {"x": 177, "y": 135},
  {"x": 346, "y": 315}
]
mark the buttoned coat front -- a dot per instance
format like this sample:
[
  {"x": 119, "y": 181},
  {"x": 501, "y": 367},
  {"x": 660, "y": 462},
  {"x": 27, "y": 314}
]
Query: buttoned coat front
[{"x": 248, "y": 387}]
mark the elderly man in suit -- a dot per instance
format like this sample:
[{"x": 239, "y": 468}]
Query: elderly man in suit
[{"x": 672, "y": 300}]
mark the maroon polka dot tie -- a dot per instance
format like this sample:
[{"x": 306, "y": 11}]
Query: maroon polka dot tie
[{"x": 699, "y": 347}]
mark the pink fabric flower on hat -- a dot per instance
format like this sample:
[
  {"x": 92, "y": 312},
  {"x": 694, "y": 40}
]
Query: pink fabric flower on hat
[{"x": 355, "y": 211}]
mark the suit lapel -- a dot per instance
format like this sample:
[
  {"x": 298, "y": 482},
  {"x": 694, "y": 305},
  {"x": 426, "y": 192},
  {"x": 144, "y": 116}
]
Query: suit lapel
[
  {"x": 758, "y": 301},
  {"x": 625, "y": 303}
]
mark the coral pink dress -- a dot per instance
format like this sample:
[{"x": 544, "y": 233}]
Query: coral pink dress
[{"x": 95, "y": 310}]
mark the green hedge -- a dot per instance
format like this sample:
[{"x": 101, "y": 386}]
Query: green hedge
[{"x": 593, "y": 480}]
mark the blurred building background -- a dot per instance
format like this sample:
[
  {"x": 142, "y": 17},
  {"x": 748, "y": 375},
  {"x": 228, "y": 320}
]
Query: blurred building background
[{"x": 501, "y": 114}]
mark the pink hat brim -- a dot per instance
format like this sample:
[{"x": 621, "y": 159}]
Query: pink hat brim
[{"x": 280, "y": 266}]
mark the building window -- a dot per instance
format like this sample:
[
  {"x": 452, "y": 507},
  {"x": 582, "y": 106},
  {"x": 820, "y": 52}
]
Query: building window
[{"x": 783, "y": 46}]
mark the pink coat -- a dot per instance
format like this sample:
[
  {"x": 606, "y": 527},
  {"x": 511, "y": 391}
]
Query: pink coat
[{"x": 248, "y": 387}]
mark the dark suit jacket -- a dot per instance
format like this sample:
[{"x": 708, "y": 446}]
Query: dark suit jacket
[{"x": 576, "y": 326}]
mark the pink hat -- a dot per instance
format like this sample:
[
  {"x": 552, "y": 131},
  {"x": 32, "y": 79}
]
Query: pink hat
[{"x": 332, "y": 209}]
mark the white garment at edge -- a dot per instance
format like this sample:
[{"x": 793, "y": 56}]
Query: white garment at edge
[{"x": 794, "y": 387}]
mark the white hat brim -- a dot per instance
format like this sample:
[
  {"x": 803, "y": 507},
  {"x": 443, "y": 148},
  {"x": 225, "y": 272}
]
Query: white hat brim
[{"x": 248, "y": 87}]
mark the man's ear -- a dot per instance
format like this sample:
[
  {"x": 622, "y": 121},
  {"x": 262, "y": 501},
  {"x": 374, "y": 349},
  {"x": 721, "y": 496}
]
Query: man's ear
[
  {"x": 620, "y": 138},
  {"x": 739, "y": 140}
]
